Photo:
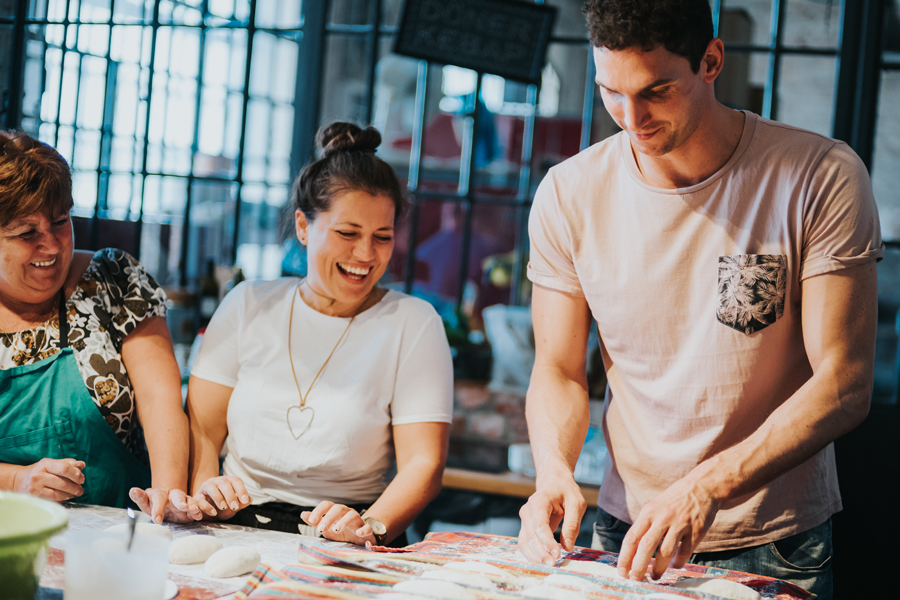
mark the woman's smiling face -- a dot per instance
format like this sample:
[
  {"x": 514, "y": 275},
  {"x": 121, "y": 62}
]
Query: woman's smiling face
[
  {"x": 348, "y": 247},
  {"x": 35, "y": 254}
]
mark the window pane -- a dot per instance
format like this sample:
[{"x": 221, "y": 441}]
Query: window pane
[
  {"x": 344, "y": 79},
  {"x": 6, "y": 38},
  {"x": 439, "y": 249},
  {"x": 262, "y": 230},
  {"x": 806, "y": 92},
  {"x": 390, "y": 12},
  {"x": 56, "y": 9},
  {"x": 130, "y": 11},
  {"x": 212, "y": 225},
  {"x": 886, "y": 158},
  {"x": 812, "y": 23},
  {"x": 746, "y": 21},
  {"x": 886, "y": 360},
  {"x": 569, "y": 20},
  {"x": 283, "y": 14},
  {"x": 161, "y": 250},
  {"x": 165, "y": 197},
  {"x": 34, "y": 76},
  {"x": 183, "y": 12},
  {"x": 735, "y": 86},
  {"x": 491, "y": 251},
  {"x": 91, "y": 11},
  {"x": 395, "y": 106},
  {"x": 350, "y": 12}
]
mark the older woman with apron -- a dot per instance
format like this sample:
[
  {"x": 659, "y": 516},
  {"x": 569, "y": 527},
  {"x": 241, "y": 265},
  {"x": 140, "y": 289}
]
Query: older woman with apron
[{"x": 89, "y": 387}]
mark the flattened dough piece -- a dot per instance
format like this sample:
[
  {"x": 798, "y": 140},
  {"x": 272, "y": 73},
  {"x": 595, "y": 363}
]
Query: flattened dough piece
[
  {"x": 232, "y": 562},
  {"x": 193, "y": 549},
  {"x": 465, "y": 578},
  {"x": 476, "y": 567},
  {"x": 445, "y": 590},
  {"x": 151, "y": 528},
  {"x": 589, "y": 567},
  {"x": 723, "y": 588}
]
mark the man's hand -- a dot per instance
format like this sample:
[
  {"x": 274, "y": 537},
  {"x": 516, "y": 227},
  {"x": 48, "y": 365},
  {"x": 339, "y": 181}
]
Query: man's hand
[
  {"x": 166, "y": 505},
  {"x": 559, "y": 500},
  {"x": 220, "y": 498},
  {"x": 339, "y": 523},
  {"x": 52, "y": 479},
  {"x": 676, "y": 522}
]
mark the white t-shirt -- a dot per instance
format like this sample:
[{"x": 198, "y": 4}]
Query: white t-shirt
[
  {"x": 393, "y": 367},
  {"x": 696, "y": 292}
]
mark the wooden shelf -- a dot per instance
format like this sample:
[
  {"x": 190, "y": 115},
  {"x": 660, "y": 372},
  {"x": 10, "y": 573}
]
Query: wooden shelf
[{"x": 509, "y": 483}]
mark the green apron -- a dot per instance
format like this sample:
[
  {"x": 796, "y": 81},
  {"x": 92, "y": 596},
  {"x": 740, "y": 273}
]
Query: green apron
[{"x": 47, "y": 412}]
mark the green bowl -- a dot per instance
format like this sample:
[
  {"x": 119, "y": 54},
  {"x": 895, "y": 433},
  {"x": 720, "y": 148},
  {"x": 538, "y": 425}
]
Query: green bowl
[{"x": 26, "y": 524}]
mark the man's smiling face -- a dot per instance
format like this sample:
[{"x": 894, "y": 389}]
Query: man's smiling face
[{"x": 654, "y": 96}]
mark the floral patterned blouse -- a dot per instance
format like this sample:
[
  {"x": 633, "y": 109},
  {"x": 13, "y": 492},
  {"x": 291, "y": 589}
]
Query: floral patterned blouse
[{"x": 111, "y": 298}]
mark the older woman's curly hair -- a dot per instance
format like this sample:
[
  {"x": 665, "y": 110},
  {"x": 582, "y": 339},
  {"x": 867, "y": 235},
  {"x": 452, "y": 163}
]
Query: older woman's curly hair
[
  {"x": 34, "y": 178},
  {"x": 683, "y": 27}
]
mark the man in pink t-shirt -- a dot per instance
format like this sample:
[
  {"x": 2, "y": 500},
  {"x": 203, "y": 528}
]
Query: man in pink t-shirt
[{"x": 729, "y": 262}]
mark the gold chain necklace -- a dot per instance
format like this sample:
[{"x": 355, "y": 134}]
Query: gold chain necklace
[{"x": 302, "y": 408}]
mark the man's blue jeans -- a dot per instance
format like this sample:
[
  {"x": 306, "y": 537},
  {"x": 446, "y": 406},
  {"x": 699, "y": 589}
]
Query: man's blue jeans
[{"x": 803, "y": 559}]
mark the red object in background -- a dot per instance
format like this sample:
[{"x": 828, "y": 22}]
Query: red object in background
[
  {"x": 555, "y": 138},
  {"x": 440, "y": 139}
]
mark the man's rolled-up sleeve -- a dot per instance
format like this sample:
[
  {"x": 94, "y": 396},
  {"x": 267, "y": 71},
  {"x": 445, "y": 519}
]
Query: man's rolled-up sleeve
[{"x": 551, "y": 263}]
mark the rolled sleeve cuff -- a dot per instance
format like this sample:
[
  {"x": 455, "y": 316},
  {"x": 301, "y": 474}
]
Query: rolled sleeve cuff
[
  {"x": 830, "y": 264},
  {"x": 433, "y": 418},
  {"x": 554, "y": 282}
]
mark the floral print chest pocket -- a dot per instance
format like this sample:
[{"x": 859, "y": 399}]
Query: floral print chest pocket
[{"x": 751, "y": 291}]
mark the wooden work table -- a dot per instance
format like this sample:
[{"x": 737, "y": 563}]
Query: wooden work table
[{"x": 509, "y": 483}]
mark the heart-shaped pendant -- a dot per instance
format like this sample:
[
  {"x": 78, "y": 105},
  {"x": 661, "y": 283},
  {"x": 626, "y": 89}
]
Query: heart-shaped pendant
[{"x": 299, "y": 421}]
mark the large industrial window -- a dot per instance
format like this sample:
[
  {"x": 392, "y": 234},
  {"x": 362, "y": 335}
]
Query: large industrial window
[{"x": 185, "y": 122}]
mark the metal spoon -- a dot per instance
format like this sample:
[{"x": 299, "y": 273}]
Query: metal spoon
[{"x": 132, "y": 523}]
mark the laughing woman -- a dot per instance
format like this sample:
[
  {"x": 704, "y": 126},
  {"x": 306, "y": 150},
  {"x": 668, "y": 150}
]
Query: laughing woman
[
  {"x": 316, "y": 385},
  {"x": 88, "y": 380}
]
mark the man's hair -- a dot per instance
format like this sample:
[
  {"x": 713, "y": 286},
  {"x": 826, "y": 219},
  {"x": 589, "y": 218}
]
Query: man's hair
[
  {"x": 33, "y": 178},
  {"x": 683, "y": 27}
]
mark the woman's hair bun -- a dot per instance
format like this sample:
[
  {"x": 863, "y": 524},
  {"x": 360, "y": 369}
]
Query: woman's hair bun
[{"x": 347, "y": 137}]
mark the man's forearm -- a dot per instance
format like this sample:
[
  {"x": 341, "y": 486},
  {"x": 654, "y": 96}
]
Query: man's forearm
[
  {"x": 558, "y": 414},
  {"x": 829, "y": 405}
]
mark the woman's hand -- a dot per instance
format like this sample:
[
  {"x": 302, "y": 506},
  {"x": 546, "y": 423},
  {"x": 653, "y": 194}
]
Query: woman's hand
[
  {"x": 220, "y": 498},
  {"x": 166, "y": 505},
  {"x": 339, "y": 523},
  {"x": 52, "y": 479}
]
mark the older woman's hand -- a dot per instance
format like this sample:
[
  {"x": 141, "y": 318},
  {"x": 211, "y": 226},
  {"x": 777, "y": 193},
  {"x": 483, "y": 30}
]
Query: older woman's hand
[
  {"x": 221, "y": 497},
  {"x": 339, "y": 523},
  {"x": 52, "y": 479},
  {"x": 162, "y": 504}
]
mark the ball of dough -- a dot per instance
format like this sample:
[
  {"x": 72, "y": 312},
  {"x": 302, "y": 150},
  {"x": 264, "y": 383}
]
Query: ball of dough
[
  {"x": 151, "y": 528},
  {"x": 232, "y": 562},
  {"x": 193, "y": 549},
  {"x": 714, "y": 586},
  {"x": 434, "y": 589}
]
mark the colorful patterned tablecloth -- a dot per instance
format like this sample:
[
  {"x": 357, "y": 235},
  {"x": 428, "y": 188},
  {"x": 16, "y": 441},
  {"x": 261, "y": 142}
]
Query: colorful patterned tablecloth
[{"x": 331, "y": 570}]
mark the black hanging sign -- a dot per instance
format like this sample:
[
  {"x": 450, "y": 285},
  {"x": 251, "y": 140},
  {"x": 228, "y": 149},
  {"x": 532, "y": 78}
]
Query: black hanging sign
[{"x": 503, "y": 37}]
